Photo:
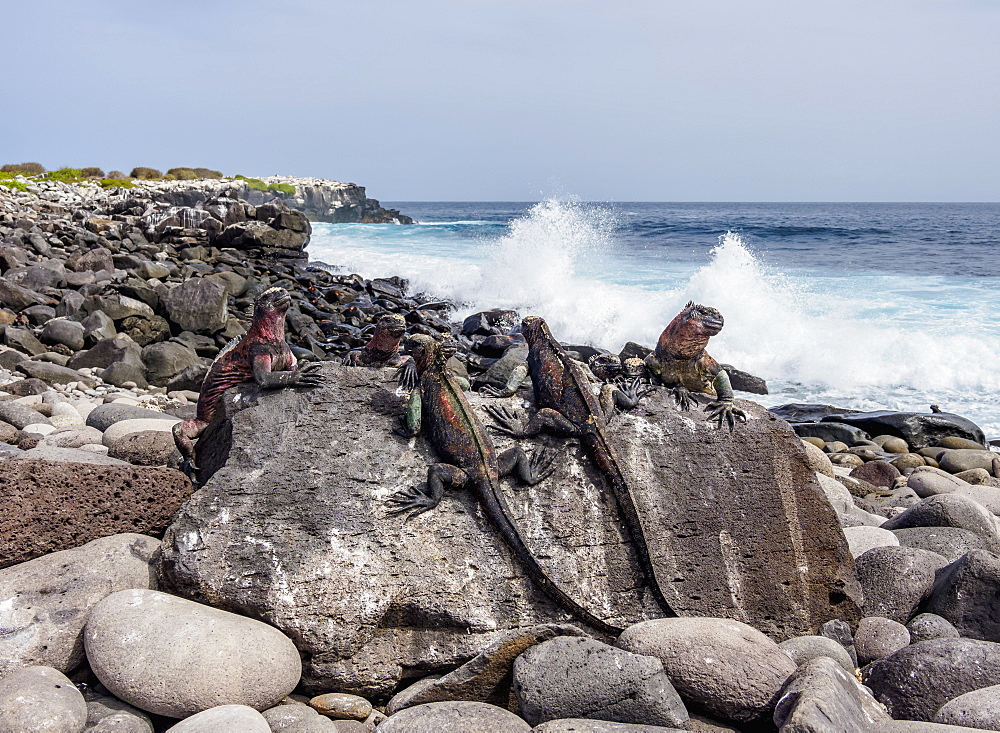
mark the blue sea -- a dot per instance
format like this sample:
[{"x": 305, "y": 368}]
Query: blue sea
[{"x": 865, "y": 306}]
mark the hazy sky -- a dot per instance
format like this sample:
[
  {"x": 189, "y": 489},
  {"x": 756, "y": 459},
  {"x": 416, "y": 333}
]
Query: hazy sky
[{"x": 726, "y": 100}]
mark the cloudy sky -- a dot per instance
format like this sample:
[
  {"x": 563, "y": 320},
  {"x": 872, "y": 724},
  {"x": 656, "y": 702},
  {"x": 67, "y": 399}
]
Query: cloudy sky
[{"x": 658, "y": 100}]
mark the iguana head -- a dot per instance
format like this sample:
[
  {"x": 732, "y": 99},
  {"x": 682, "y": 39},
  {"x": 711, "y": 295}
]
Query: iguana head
[
  {"x": 272, "y": 300},
  {"x": 424, "y": 349},
  {"x": 605, "y": 366},
  {"x": 391, "y": 325},
  {"x": 534, "y": 328},
  {"x": 687, "y": 335}
]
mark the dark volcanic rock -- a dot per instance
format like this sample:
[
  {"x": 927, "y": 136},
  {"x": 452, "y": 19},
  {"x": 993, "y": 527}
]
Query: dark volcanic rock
[
  {"x": 916, "y": 681},
  {"x": 104, "y": 416},
  {"x": 949, "y": 510},
  {"x": 56, "y": 506},
  {"x": 197, "y": 305},
  {"x": 948, "y": 542},
  {"x": 744, "y": 381},
  {"x": 917, "y": 429},
  {"x": 307, "y": 479},
  {"x": 967, "y": 593},
  {"x": 829, "y": 431},
  {"x": 797, "y": 412},
  {"x": 54, "y": 374},
  {"x": 927, "y": 626}
]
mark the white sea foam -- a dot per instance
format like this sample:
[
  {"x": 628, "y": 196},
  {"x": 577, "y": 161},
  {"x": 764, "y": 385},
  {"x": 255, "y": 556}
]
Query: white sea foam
[{"x": 863, "y": 341}]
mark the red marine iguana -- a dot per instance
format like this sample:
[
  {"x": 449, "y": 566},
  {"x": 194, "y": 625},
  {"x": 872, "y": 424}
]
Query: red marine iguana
[
  {"x": 439, "y": 407},
  {"x": 260, "y": 355},
  {"x": 681, "y": 362},
  {"x": 383, "y": 350},
  {"x": 566, "y": 405}
]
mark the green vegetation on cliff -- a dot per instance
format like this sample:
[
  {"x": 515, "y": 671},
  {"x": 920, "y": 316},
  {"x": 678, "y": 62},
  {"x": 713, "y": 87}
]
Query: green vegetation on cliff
[{"x": 255, "y": 184}]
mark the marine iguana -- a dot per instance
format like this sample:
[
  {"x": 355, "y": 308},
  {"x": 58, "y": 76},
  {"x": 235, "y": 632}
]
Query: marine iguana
[
  {"x": 383, "y": 350},
  {"x": 566, "y": 405},
  {"x": 260, "y": 355},
  {"x": 681, "y": 362},
  {"x": 439, "y": 407}
]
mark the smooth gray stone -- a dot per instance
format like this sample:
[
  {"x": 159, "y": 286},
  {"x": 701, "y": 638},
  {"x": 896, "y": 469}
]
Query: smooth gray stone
[
  {"x": 40, "y": 698},
  {"x": 977, "y": 709},
  {"x": 454, "y": 717},
  {"x": 223, "y": 719},
  {"x": 949, "y": 510},
  {"x": 896, "y": 580},
  {"x": 583, "y": 725},
  {"x": 917, "y": 680},
  {"x": 878, "y": 637},
  {"x": 927, "y": 626},
  {"x": 68, "y": 455},
  {"x": 574, "y": 677},
  {"x": 107, "y": 714},
  {"x": 104, "y": 416},
  {"x": 950, "y": 543},
  {"x": 805, "y": 648},
  {"x": 20, "y": 415},
  {"x": 298, "y": 719}
]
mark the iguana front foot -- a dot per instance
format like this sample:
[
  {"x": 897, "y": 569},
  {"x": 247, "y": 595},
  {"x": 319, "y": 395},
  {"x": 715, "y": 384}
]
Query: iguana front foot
[
  {"x": 506, "y": 421},
  {"x": 684, "y": 399},
  {"x": 189, "y": 469},
  {"x": 407, "y": 375},
  {"x": 540, "y": 466},
  {"x": 411, "y": 502},
  {"x": 630, "y": 391},
  {"x": 725, "y": 410},
  {"x": 307, "y": 376}
]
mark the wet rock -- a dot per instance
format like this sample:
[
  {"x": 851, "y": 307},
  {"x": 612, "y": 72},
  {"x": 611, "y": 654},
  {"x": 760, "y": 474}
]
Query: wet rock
[
  {"x": 583, "y": 678},
  {"x": 928, "y": 626},
  {"x": 40, "y": 699},
  {"x": 879, "y": 637},
  {"x": 918, "y": 430},
  {"x": 48, "y": 599},
  {"x": 174, "y": 657},
  {"x": 822, "y": 696},
  {"x": 55, "y": 505},
  {"x": 896, "y": 580},
  {"x": 949, "y": 510},
  {"x": 965, "y": 594},
  {"x": 917, "y": 680},
  {"x": 224, "y": 718},
  {"x": 949, "y": 542},
  {"x": 805, "y": 648},
  {"x": 454, "y": 717},
  {"x": 725, "y": 667}
]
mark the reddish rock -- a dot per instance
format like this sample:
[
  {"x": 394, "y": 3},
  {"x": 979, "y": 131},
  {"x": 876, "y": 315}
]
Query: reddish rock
[
  {"x": 146, "y": 448},
  {"x": 57, "y": 506}
]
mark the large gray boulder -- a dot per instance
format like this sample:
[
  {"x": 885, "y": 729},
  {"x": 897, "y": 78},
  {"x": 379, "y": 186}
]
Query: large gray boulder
[
  {"x": 917, "y": 680},
  {"x": 48, "y": 599},
  {"x": 724, "y": 667},
  {"x": 917, "y": 429},
  {"x": 976, "y": 709},
  {"x": 295, "y": 502},
  {"x": 173, "y": 657},
  {"x": 822, "y": 696},
  {"x": 896, "y": 580},
  {"x": 197, "y": 305},
  {"x": 967, "y": 593},
  {"x": 950, "y": 510},
  {"x": 454, "y": 717}
]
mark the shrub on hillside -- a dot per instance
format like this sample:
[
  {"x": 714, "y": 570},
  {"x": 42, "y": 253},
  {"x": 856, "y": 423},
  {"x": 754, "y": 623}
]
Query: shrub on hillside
[
  {"x": 207, "y": 173},
  {"x": 116, "y": 175},
  {"x": 16, "y": 185},
  {"x": 66, "y": 175},
  {"x": 27, "y": 169},
  {"x": 285, "y": 188},
  {"x": 116, "y": 182},
  {"x": 183, "y": 174},
  {"x": 92, "y": 172},
  {"x": 145, "y": 174}
]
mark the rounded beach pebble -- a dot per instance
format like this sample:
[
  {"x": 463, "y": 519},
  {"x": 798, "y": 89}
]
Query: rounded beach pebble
[
  {"x": 175, "y": 657},
  {"x": 224, "y": 719},
  {"x": 726, "y": 667},
  {"x": 40, "y": 699},
  {"x": 976, "y": 709},
  {"x": 454, "y": 717}
]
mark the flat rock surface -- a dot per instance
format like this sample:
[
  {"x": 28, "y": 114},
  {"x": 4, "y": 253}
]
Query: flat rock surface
[
  {"x": 54, "y": 506},
  {"x": 299, "y": 514}
]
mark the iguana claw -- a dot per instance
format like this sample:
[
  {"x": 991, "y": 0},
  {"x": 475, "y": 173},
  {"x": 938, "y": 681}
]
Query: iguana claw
[
  {"x": 411, "y": 502},
  {"x": 684, "y": 399},
  {"x": 306, "y": 376},
  {"x": 542, "y": 464},
  {"x": 725, "y": 410},
  {"x": 189, "y": 469},
  {"x": 407, "y": 375},
  {"x": 490, "y": 391},
  {"x": 634, "y": 389},
  {"x": 506, "y": 420}
]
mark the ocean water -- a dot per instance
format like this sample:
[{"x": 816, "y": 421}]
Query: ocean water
[{"x": 864, "y": 306}]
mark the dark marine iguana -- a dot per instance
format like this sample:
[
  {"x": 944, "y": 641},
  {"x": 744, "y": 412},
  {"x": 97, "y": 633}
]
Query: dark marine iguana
[
  {"x": 383, "y": 350},
  {"x": 566, "y": 405},
  {"x": 439, "y": 407},
  {"x": 260, "y": 355},
  {"x": 681, "y": 362}
]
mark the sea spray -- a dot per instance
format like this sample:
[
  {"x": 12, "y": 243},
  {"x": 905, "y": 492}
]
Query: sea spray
[{"x": 860, "y": 339}]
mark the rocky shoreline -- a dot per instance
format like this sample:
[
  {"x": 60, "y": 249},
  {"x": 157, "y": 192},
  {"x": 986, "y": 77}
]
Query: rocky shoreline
[{"x": 281, "y": 597}]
